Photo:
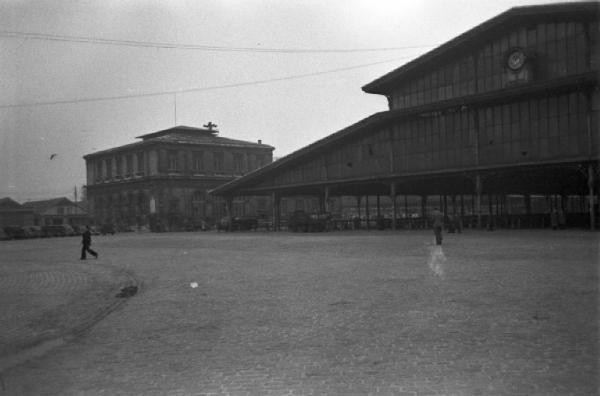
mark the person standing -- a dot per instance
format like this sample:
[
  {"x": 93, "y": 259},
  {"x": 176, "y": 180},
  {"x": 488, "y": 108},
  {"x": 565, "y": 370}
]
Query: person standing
[
  {"x": 86, "y": 242},
  {"x": 437, "y": 218},
  {"x": 562, "y": 219},
  {"x": 554, "y": 219}
]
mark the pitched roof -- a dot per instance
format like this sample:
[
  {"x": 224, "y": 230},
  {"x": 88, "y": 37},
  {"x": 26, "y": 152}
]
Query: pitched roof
[
  {"x": 298, "y": 155},
  {"x": 180, "y": 129},
  {"x": 481, "y": 33},
  {"x": 116, "y": 149},
  {"x": 207, "y": 139},
  {"x": 186, "y": 135},
  {"x": 385, "y": 117},
  {"x": 40, "y": 206},
  {"x": 9, "y": 203}
]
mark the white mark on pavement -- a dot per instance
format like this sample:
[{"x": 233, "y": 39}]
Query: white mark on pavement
[{"x": 436, "y": 260}]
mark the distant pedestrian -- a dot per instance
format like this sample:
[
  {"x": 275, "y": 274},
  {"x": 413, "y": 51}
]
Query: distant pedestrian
[
  {"x": 562, "y": 219},
  {"x": 554, "y": 219},
  {"x": 437, "y": 218},
  {"x": 355, "y": 222},
  {"x": 86, "y": 242},
  {"x": 451, "y": 224}
]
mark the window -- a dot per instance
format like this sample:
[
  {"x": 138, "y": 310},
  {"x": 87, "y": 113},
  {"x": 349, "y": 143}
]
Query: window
[
  {"x": 119, "y": 172},
  {"x": 140, "y": 162},
  {"x": 262, "y": 203},
  {"x": 197, "y": 211},
  {"x": 128, "y": 165},
  {"x": 218, "y": 161},
  {"x": 238, "y": 163},
  {"x": 260, "y": 160},
  {"x": 348, "y": 154},
  {"x": 172, "y": 158},
  {"x": 109, "y": 168},
  {"x": 198, "y": 196},
  {"x": 98, "y": 170},
  {"x": 173, "y": 205},
  {"x": 198, "y": 161},
  {"x": 297, "y": 174},
  {"x": 366, "y": 151}
]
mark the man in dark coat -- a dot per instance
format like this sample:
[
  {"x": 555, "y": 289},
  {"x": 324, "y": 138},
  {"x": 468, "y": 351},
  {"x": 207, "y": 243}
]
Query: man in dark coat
[
  {"x": 437, "y": 219},
  {"x": 86, "y": 242}
]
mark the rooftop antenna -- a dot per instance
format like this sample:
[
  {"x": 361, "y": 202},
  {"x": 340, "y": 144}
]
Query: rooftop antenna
[
  {"x": 175, "y": 109},
  {"x": 210, "y": 126}
]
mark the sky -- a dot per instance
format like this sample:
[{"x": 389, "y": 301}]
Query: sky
[{"x": 83, "y": 76}]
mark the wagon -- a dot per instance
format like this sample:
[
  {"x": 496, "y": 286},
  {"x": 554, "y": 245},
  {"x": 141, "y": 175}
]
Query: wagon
[{"x": 300, "y": 221}]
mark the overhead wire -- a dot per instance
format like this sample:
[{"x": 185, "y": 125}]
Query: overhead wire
[
  {"x": 146, "y": 44},
  {"x": 14, "y": 50},
  {"x": 26, "y": 36},
  {"x": 198, "y": 89},
  {"x": 165, "y": 45}
]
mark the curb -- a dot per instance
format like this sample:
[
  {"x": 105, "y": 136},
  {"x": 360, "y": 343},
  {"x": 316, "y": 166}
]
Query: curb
[{"x": 41, "y": 345}]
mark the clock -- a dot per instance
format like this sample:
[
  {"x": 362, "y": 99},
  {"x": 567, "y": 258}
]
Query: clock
[{"x": 515, "y": 60}]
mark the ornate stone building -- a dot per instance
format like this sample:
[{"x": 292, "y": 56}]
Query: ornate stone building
[{"x": 162, "y": 181}]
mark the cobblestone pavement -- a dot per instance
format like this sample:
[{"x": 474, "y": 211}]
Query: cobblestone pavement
[
  {"x": 46, "y": 294},
  {"x": 356, "y": 313}
]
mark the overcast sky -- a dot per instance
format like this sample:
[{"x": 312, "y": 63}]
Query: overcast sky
[{"x": 52, "y": 83}]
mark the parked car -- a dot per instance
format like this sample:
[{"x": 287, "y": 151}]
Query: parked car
[
  {"x": 58, "y": 230},
  {"x": 238, "y": 224},
  {"x": 35, "y": 232},
  {"x": 15, "y": 232},
  {"x": 3, "y": 236},
  {"x": 301, "y": 221},
  {"x": 199, "y": 225},
  {"x": 69, "y": 231},
  {"x": 126, "y": 228},
  {"x": 78, "y": 229},
  {"x": 107, "y": 229}
]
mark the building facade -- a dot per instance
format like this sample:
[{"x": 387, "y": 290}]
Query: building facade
[
  {"x": 162, "y": 181},
  {"x": 57, "y": 211},
  {"x": 507, "y": 111},
  {"x": 13, "y": 213}
]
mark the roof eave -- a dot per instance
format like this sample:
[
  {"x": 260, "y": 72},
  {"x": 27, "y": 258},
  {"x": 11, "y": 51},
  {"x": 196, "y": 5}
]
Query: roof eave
[
  {"x": 149, "y": 142},
  {"x": 480, "y": 33},
  {"x": 588, "y": 80}
]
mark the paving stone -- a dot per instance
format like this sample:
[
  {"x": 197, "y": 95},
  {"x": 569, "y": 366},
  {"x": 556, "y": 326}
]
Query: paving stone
[{"x": 350, "y": 313}]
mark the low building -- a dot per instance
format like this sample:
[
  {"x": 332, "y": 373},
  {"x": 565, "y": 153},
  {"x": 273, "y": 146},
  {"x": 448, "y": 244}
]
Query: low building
[
  {"x": 161, "y": 182},
  {"x": 57, "y": 211},
  {"x": 13, "y": 213}
]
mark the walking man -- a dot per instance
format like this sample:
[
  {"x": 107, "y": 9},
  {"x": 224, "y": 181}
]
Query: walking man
[
  {"x": 437, "y": 218},
  {"x": 86, "y": 242}
]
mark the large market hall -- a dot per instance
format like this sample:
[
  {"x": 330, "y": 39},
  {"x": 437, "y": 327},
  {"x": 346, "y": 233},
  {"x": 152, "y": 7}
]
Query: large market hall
[{"x": 497, "y": 127}]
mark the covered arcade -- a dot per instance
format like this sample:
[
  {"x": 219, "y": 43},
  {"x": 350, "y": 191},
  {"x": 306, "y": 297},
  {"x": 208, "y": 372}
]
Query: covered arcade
[{"x": 498, "y": 127}]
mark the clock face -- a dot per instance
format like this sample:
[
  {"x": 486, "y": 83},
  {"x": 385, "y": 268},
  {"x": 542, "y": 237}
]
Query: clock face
[{"x": 516, "y": 60}]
